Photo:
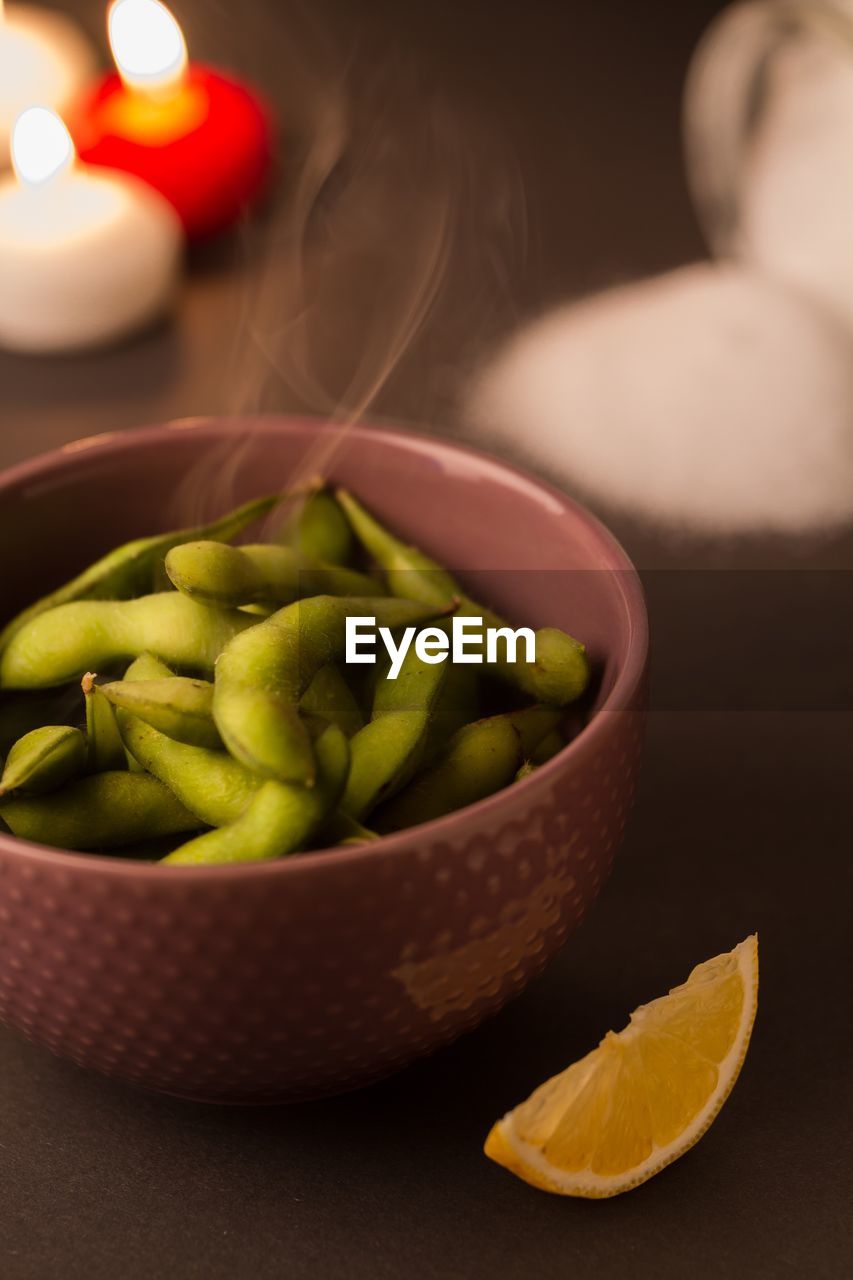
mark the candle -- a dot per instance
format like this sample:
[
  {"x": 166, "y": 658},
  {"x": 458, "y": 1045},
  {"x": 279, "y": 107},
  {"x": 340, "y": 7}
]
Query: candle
[
  {"x": 43, "y": 58},
  {"x": 86, "y": 256},
  {"x": 199, "y": 137}
]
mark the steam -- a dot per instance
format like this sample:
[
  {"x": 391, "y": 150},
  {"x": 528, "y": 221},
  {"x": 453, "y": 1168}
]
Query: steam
[{"x": 389, "y": 193}]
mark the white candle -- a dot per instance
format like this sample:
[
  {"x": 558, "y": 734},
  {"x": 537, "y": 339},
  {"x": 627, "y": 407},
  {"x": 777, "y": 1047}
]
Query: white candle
[
  {"x": 86, "y": 255},
  {"x": 44, "y": 58},
  {"x": 148, "y": 46}
]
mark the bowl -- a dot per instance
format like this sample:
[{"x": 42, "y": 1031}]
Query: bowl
[{"x": 323, "y": 971}]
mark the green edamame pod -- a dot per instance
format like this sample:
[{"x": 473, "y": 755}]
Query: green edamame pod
[
  {"x": 67, "y": 641},
  {"x": 479, "y": 760},
  {"x": 532, "y": 724},
  {"x": 103, "y": 740},
  {"x": 340, "y": 828},
  {"x": 145, "y": 667},
  {"x": 408, "y": 572},
  {"x": 322, "y": 530},
  {"x": 148, "y": 667},
  {"x": 44, "y": 759},
  {"x": 280, "y": 818},
  {"x": 330, "y": 698},
  {"x": 178, "y": 706},
  {"x": 258, "y": 610},
  {"x": 560, "y": 673},
  {"x": 386, "y": 752},
  {"x": 209, "y": 783},
  {"x": 548, "y": 747},
  {"x": 453, "y": 693},
  {"x": 101, "y": 811},
  {"x": 417, "y": 686},
  {"x": 129, "y": 570},
  {"x": 262, "y": 674},
  {"x": 459, "y": 703},
  {"x": 227, "y": 577},
  {"x": 182, "y": 708}
]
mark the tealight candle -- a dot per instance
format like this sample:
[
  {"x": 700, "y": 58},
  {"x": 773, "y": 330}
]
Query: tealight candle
[
  {"x": 86, "y": 256},
  {"x": 199, "y": 137},
  {"x": 43, "y": 58}
]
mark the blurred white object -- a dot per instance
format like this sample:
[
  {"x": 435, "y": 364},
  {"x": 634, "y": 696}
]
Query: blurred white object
[
  {"x": 769, "y": 137},
  {"x": 711, "y": 398},
  {"x": 87, "y": 255},
  {"x": 798, "y": 202},
  {"x": 45, "y": 60}
]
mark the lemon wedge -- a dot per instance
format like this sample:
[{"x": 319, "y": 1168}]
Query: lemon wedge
[{"x": 645, "y": 1095}]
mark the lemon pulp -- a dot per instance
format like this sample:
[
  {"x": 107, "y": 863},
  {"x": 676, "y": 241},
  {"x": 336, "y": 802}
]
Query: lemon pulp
[{"x": 645, "y": 1095}]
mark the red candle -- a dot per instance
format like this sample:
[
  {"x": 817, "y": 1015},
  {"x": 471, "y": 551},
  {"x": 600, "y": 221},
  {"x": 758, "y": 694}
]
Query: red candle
[{"x": 202, "y": 139}]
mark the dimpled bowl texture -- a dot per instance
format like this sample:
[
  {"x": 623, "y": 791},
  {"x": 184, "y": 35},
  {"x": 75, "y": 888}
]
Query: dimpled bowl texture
[{"x": 320, "y": 972}]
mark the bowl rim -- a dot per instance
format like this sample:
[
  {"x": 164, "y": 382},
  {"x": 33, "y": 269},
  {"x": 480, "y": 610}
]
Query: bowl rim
[{"x": 619, "y": 699}]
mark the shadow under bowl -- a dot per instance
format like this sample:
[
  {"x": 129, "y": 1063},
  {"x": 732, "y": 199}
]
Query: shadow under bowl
[{"x": 324, "y": 971}]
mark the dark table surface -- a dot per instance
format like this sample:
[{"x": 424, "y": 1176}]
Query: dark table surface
[{"x": 522, "y": 154}]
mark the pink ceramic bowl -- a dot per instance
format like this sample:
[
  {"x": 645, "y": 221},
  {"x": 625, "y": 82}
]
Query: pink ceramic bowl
[{"x": 323, "y": 971}]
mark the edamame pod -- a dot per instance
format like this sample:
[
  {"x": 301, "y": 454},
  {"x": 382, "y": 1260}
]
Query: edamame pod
[
  {"x": 257, "y": 610},
  {"x": 386, "y": 752},
  {"x": 453, "y": 693},
  {"x": 102, "y": 811},
  {"x": 44, "y": 759},
  {"x": 129, "y": 570},
  {"x": 178, "y": 706},
  {"x": 330, "y": 698},
  {"x": 262, "y": 674},
  {"x": 227, "y": 577},
  {"x": 210, "y": 784},
  {"x": 532, "y": 724},
  {"x": 541, "y": 753},
  {"x": 182, "y": 708},
  {"x": 459, "y": 703},
  {"x": 548, "y": 747},
  {"x": 560, "y": 673},
  {"x": 281, "y": 817},
  {"x": 417, "y": 686},
  {"x": 322, "y": 530},
  {"x": 479, "y": 760},
  {"x": 340, "y": 828},
  {"x": 148, "y": 667},
  {"x": 103, "y": 740},
  {"x": 145, "y": 667},
  {"x": 67, "y": 641},
  {"x": 408, "y": 571}
]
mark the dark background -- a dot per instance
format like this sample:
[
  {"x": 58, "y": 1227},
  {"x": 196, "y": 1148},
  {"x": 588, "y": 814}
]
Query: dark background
[{"x": 543, "y": 140}]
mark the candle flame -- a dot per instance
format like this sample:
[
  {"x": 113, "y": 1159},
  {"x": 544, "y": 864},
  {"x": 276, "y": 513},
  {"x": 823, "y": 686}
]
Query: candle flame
[
  {"x": 147, "y": 43},
  {"x": 41, "y": 146}
]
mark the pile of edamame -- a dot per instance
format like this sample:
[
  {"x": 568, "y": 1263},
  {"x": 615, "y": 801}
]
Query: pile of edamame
[{"x": 186, "y": 699}]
